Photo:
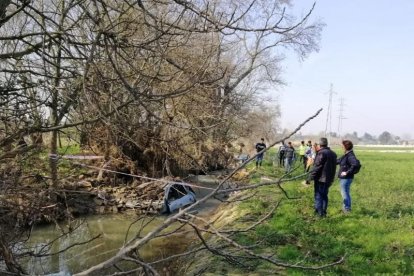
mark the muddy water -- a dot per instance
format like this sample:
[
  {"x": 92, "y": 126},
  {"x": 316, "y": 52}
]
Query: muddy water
[
  {"x": 209, "y": 182},
  {"x": 113, "y": 229}
]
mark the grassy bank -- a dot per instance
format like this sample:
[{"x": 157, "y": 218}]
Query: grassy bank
[{"x": 377, "y": 237}]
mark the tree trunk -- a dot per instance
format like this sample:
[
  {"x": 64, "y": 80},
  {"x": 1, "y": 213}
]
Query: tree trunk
[
  {"x": 107, "y": 144},
  {"x": 53, "y": 159},
  {"x": 60, "y": 140},
  {"x": 83, "y": 138}
]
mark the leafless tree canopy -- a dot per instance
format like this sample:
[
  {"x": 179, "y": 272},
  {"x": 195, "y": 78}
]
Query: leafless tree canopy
[{"x": 166, "y": 84}]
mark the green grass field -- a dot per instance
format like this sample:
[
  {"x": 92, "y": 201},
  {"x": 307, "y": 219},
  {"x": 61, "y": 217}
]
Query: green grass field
[
  {"x": 396, "y": 149},
  {"x": 376, "y": 238}
]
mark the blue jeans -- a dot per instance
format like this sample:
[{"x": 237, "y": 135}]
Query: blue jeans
[
  {"x": 259, "y": 159},
  {"x": 288, "y": 164},
  {"x": 321, "y": 197},
  {"x": 345, "y": 192}
]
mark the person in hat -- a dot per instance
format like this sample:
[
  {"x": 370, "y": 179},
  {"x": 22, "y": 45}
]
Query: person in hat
[{"x": 323, "y": 174}]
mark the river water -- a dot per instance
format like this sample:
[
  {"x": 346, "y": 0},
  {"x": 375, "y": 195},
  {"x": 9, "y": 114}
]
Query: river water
[{"x": 113, "y": 229}]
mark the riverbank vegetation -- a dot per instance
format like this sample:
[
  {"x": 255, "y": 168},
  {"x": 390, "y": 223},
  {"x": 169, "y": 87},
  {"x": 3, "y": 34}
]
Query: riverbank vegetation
[
  {"x": 158, "y": 88},
  {"x": 172, "y": 88},
  {"x": 375, "y": 238}
]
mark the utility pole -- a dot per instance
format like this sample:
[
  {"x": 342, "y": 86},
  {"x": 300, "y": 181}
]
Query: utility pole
[
  {"x": 341, "y": 116},
  {"x": 329, "y": 114}
]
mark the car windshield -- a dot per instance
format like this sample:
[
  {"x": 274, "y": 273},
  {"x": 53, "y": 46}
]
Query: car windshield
[{"x": 176, "y": 191}]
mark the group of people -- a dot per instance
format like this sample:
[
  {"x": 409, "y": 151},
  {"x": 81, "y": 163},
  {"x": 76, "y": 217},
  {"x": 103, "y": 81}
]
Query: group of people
[
  {"x": 323, "y": 174},
  {"x": 323, "y": 162},
  {"x": 287, "y": 155}
]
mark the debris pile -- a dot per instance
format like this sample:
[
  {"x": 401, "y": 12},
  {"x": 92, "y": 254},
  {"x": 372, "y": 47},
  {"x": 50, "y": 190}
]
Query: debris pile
[{"x": 145, "y": 197}]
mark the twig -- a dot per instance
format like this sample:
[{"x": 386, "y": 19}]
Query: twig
[
  {"x": 265, "y": 217},
  {"x": 143, "y": 264},
  {"x": 258, "y": 256}
]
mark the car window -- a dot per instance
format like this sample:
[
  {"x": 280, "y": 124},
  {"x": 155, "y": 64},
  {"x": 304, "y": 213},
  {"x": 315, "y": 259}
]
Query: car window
[{"x": 176, "y": 191}]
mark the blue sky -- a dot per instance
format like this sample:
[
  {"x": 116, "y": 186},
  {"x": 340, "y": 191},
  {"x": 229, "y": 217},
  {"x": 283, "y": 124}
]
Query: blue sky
[{"x": 367, "y": 53}]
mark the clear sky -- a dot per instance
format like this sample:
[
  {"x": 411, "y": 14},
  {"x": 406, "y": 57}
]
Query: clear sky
[{"x": 367, "y": 53}]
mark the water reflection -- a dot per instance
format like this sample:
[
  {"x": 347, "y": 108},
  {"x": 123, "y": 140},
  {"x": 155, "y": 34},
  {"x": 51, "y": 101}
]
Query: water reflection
[{"x": 113, "y": 229}]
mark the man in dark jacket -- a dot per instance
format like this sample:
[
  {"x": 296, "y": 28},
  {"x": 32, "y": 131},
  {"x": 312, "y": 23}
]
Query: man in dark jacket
[
  {"x": 259, "y": 148},
  {"x": 323, "y": 175},
  {"x": 289, "y": 157}
]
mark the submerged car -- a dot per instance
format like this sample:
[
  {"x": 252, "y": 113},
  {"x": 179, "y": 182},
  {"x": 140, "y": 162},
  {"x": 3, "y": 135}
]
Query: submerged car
[
  {"x": 242, "y": 157},
  {"x": 177, "y": 196}
]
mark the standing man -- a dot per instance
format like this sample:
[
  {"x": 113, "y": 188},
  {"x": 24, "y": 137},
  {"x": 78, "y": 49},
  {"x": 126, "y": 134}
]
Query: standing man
[
  {"x": 302, "y": 149},
  {"x": 281, "y": 154},
  {"x": 259, "y": 147},
  {"x": 289, "y": 157},
  {"x": 302, "y": 154},
  {"x": 323, "y": 174}
]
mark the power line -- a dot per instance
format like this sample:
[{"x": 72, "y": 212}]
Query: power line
[
  {"x": 329, "y": 114},
  {"x": 341, "y": 115}
]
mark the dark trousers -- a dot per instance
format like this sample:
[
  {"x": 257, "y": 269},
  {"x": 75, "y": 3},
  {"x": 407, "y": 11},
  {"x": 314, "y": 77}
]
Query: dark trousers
[
  {"x": 305, "y": 162},
  {"x": 281, "y": 160},
  {"x": 321, "y": 197},
  {"x": 259, "y": 160}
]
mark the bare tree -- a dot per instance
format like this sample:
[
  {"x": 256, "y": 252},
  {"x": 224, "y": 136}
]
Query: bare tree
[
  {"x": 167, "y": 82},
  {"x": 157, "y": 51},
  {"x": 168, "y": 35}
]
